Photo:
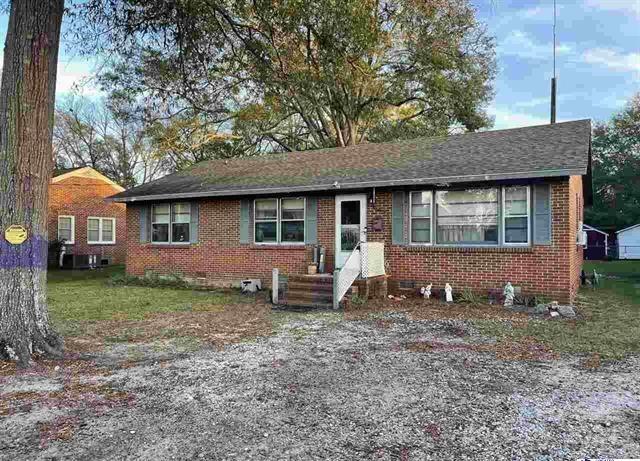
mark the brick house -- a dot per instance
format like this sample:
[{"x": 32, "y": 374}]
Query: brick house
[
  {"x": 79, "y": 214},
  {"x": 473, "y": 210}
]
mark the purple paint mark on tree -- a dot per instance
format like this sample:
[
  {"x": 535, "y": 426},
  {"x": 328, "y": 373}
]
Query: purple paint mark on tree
[{"x": 32, "y": 254}]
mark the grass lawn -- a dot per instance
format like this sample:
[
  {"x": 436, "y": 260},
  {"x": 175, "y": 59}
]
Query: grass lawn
[
  {"x": 82, "y": 302},
  {"x": 610, "y": 322}
]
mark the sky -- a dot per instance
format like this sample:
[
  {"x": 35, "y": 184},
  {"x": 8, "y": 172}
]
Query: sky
[{"x": 597, "y": 59}]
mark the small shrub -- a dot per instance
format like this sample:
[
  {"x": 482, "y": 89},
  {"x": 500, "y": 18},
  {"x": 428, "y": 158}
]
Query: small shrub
[
  {"x": 152, "y": 280},
  {"x": 469, "y": 297},
  {"x": 358, "y": 300}
]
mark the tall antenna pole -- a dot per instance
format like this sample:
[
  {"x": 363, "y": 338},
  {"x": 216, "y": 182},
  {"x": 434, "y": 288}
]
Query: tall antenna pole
[{"x": 553, "y": 79}]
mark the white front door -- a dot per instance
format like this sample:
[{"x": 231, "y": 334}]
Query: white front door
[{"x": 351, "y": 223}]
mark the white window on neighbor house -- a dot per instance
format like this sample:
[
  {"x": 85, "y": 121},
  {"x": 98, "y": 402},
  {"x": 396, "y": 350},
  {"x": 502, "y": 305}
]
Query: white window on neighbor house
[
  {"x": 279, "y": 221},
  {"x": 101, "y": 230},
  {"x": 67, "y": 229},
  {"x": 170, "y": 223},
  {"x": 420, "y": 217},
  {"x": 516, "y": 215},
  {"x": 292, "y": 220},
  {"x": 467, "y": 217}
]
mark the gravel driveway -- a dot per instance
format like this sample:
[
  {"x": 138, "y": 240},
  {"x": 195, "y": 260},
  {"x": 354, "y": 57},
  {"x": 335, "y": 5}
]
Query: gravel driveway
[{"x": 326, "y": 388}]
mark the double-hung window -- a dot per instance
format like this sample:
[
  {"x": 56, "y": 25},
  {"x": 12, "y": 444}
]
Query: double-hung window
[
  {"x": 279, "y": 221},
  {"x": 67, "y": 229},
  {"x": 292, "y": 220},
  {"x": 471, "y": 217},
  {"x": 101, "y": 230},
  {"x": 516, "y": 215},
  {"x": 467, "y": 217},
  {"x": 170, "y": 223},
  {"x": 266, "y": 221},
  {"x": 421, "y": 217}
]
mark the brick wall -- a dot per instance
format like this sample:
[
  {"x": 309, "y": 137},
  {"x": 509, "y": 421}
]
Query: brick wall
[
  {"x": 550, "y": 270},
  {"x": 542, "y": 269},
  {"x": 219, "y": 257},
  {"x": 84, "y": 197}
]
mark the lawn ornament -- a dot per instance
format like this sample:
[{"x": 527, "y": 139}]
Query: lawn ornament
[
  {"x": 448, "y": 293},
  {"x": 426, "y": 291},
  {"x": 508, "y": 294}
]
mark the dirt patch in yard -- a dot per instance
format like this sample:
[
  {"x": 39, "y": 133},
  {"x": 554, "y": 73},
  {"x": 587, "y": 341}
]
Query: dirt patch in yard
[
  {"x": 344, "y": 390},
  {"x": 231, "y": 324}
]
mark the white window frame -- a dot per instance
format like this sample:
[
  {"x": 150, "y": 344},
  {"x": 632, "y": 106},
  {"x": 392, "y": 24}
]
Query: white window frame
[
  {"x": 504, "y": 217},
  {"x": 434, "y": 212},
  {"x": 411, "y": 218},
  {"x": 278, "y": 220},
  {"x": 170, "y": 223},
  {"x": 100, "y": 240},
  {"x": 281, "y": 220},
  {"x": 73, "y": 229}
]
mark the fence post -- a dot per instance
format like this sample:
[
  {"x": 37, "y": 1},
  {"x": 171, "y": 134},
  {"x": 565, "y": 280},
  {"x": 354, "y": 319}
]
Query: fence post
[
  {"x": 336, "y": 280},
  {"x": 275, "y": 282}
]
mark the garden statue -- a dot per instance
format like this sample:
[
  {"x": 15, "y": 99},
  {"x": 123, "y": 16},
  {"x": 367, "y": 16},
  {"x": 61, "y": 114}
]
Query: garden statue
[
  {"x": 426, "y": 291},
  {"x": 448, "y": 293},
  {"x": 508, "y": 295}
]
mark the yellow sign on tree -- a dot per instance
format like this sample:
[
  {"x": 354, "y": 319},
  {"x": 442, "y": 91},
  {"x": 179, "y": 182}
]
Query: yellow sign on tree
[{"x": 15, "y": 234}]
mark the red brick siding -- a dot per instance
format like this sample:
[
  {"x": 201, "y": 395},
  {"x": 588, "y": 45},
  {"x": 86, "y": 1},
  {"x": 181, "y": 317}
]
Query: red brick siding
[
  {"x": 219, "y": 254},
  {"x": 84, "y": 197},
  {"x": 543, "y": 269}
]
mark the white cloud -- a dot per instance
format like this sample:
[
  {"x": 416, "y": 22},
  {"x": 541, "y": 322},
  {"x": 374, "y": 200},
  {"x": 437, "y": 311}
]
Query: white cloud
[
  {"x": 612, "y": 59},
  {"x": 519, "y": 44},
  {"x": 75, "y": 76},
  {"x": 619, "y": 6},
  {"x": 506, "y": 118}
]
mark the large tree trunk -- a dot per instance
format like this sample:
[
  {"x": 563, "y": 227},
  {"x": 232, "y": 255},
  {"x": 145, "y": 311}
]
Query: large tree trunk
[{"x": 27, "y": 100}]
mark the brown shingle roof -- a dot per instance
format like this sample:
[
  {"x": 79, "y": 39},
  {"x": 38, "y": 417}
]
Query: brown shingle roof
[{"x": 561, "y": 149}]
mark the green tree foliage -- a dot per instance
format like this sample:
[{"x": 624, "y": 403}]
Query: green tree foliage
[
  {"x": 616, "y": 170},
  {"x": 299, "y": 74}
]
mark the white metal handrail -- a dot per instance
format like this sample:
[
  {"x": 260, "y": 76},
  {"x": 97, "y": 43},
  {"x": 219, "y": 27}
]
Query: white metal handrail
[
  {"x": 351, "y": 270},
  {"x": 347, "y": 275}
]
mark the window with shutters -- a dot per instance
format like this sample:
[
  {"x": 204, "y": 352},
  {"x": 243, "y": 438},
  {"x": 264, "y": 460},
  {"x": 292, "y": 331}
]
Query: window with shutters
[
  {"x": 279, "y": 220},
  {"x": 101, "y": 230},
  {"x": 170, "y": 223},
  {"x": 516, "y": 215},
  {"x": 470, "y": 217},
  {"x": 420, "y": 217}
]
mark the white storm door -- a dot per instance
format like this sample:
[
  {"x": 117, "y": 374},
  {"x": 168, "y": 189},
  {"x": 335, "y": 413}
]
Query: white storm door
[{"x": 351, "y": 223}]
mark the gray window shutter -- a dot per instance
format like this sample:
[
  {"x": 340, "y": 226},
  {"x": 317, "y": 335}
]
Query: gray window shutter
[
  {"x": 195, "y": 222},
  {"x": 311, "y": 221},
  {"x": 245, "y": 206},
  {"x": 542, "y": 214},
  {"x": 397, "y": 216},
  {"x": 145, "y": 223}
]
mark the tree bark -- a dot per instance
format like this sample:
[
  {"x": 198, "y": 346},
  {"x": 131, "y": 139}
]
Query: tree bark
[{"x": 27, "y": 98}]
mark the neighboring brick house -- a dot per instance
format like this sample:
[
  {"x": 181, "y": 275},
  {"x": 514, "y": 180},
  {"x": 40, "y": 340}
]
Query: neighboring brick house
[
  {"x": 79, "y": 214},
  {"x": 474, "y": 210}
]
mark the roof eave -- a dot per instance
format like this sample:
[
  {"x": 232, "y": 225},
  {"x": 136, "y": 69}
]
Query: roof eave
[{"x": 352, "y": 185}]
